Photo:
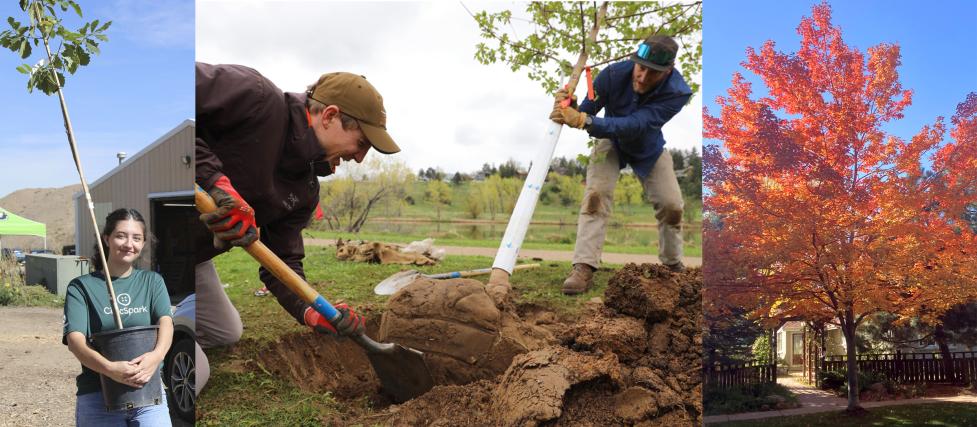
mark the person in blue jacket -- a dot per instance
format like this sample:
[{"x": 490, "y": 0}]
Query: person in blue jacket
[{"x": 638, "y": 96}]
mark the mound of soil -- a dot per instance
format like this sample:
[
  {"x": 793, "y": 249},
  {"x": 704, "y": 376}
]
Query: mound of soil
[
  {"x": 629, "y": 362},
  {"x": 463, "y": 334}
]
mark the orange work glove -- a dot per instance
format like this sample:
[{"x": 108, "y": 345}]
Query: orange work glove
[
  {"x": 233, "y": 222},
  {"x": 349, "y": 322}
]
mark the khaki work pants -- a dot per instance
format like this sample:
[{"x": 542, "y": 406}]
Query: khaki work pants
[
  {"x": 217, "y": 321},
  {"x": 660, "y": 188}
]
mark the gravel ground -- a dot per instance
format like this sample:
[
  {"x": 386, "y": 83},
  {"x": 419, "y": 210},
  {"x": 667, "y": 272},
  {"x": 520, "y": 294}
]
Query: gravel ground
[{"x": 37, "y": 372}]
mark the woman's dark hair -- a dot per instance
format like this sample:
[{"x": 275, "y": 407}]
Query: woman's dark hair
[{"x": 121, "y": 214}]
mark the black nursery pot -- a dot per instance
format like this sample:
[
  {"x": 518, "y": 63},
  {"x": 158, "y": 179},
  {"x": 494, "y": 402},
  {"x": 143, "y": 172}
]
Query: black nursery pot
[{"x": 127, "y": 344}]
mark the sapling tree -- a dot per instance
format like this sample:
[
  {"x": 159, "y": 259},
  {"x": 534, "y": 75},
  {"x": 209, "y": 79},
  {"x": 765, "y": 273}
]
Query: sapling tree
[{"x": 43, "y": 29}]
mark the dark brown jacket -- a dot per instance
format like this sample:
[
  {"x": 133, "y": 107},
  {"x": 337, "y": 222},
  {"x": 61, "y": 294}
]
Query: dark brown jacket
[{"x": 259, "y": 137}]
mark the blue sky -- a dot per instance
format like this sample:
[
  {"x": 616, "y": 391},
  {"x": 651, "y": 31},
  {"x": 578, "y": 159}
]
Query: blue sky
[
  {"x": 938, "y": 43},
  {"x": 139, "y": 88}
]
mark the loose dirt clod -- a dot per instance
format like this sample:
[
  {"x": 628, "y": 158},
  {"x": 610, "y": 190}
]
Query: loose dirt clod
[
  {"x": 463, "y": 334},
  {"x": 533, "y": 388},
  {"x": 647, "y": 291}
]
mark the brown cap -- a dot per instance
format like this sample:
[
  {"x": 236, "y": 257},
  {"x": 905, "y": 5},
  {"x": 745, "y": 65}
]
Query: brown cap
[
  {"x": 360, "y": 100},
  {"x": 657, "y": 53}
]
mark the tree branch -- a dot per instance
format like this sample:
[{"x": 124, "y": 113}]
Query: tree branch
[{"x": 612, "y": 18}]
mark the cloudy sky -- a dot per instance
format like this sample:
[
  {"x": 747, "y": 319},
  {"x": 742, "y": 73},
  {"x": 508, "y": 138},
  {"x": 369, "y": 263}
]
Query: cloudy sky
[
  {"x": 139, "y": 88},
  {"x": 444, "y": 108}
]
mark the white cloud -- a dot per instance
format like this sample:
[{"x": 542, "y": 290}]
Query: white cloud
[{"x": 444, "y": 108}]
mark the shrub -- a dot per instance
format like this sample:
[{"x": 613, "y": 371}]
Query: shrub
[
  {"x": 838, "y": 381},
  {"x": 747, "y": 399},
  {"x": 833, "y": 380},
  {"x": 8, "y": 294}
]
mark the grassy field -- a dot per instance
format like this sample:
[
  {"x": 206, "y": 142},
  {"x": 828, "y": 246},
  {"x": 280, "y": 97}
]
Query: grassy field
[
  {"x": 544, "y": 212},
  {"x": 646, "y": 240},
  {"x": 236, "y": 397},
  {"x": 554, "y": 226},
  {"x": 932, "y": 414}
]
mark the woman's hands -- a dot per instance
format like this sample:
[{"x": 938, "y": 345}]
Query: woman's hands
[
  {"x": 123, "y": 372},
  {"x": 136, "y": 372},
  {"x": 145, "y": 366}
]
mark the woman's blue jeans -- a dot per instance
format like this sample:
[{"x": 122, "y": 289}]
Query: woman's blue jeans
[{"x": 90, "y": 411}]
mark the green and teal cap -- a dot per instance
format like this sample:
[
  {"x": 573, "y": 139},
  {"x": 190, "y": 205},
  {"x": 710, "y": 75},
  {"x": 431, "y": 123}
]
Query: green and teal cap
[{"x": 657, "y": 53}]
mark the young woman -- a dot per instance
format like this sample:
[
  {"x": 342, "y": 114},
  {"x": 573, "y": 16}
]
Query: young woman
[{"x": 142, "y": 301}]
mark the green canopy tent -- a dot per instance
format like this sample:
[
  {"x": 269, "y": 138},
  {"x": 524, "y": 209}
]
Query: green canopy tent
[{"x": 13, "y": 225}]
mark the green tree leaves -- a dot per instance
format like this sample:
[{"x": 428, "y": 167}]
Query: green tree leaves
[
  {"x": 45, "y": 28},
  {"x": 558, "y": 35}
]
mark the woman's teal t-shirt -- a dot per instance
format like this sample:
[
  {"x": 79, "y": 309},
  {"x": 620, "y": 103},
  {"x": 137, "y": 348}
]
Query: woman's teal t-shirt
[{"x": 142, "y": 300}]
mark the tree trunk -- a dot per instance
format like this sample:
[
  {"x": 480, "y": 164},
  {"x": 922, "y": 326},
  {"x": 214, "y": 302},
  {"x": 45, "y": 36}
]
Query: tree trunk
[
  {"x": 848, "y": 328},
  {"x": 940, "y": 336}
]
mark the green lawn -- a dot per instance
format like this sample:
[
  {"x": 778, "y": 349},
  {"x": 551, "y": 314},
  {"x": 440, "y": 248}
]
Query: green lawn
[
  {"x": 646, "y": 244},
  {"x": 554, "y": 225},
  {"x": 239, "y": 396},
  {"x": 931, "y": 414}
]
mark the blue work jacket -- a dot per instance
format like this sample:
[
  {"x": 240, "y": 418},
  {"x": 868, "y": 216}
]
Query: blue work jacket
[{"x": 634, "y": 122}]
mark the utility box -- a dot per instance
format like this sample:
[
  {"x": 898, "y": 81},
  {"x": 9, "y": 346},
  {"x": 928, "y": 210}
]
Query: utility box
[{"x": 55, "y": 271}]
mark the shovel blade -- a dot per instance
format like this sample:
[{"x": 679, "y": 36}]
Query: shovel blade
[
  {"x": 394, "y": 283},
  {"x": 403, "y": 372}
]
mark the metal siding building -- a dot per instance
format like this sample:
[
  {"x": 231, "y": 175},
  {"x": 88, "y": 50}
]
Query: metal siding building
[{"x": 164, "y": 170}]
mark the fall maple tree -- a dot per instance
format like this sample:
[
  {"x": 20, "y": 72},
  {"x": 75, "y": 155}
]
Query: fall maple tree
[{"x": 815, "y": 211}]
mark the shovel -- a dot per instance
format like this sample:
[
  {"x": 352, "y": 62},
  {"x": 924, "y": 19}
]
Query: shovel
[
  {"x": 402, "y": 371},
  {"x": 394, "y": 283}
]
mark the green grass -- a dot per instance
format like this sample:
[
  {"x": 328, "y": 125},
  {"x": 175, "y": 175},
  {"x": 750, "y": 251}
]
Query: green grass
[
  {"x": 256, "y": 397},
  {"x": 931, "y": 414},
  {"x": 651, "y": 248},
  {"x": 548, "y": 212},
  {"x": 554, "y": 226},
  {"x": 352, "y": 282},
  {"x": 253, "y": 399}
]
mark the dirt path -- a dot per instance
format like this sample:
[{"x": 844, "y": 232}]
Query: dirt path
[
  {"x": 545, "y": 254},
  {"x": 814, "y": 400},
  {"x": 37, "y": 373}
]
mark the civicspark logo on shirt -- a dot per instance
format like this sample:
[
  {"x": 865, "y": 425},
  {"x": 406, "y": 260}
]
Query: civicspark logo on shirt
[{"x": 124, "y": 310}]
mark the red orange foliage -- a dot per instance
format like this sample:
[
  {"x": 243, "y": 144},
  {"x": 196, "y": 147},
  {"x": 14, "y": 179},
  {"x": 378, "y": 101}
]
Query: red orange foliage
[{"x": 817, "y": 212}]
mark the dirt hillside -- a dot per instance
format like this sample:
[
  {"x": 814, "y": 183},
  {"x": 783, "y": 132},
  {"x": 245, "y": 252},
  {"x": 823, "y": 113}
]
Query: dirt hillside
[{"x": 51, "y": 206}]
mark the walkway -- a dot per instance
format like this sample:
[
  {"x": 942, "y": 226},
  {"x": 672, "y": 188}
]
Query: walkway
[
  {"x": 545, "y": 254},
  {"x": 813, "y": 400}
]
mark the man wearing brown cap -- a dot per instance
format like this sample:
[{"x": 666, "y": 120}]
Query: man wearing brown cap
[
  {"x": 259, "y": 153},
  {"x": 638, "y": 97}
]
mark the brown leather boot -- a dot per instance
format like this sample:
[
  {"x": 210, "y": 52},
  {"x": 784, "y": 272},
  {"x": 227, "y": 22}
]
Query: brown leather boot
[
  {"x": 678, "y": 267},
  {"x": 580, "y": 279}
]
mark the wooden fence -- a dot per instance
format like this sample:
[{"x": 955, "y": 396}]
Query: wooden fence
[
  {"x": 912, "y": 367},
  {"x": 724, "y": 376}
]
